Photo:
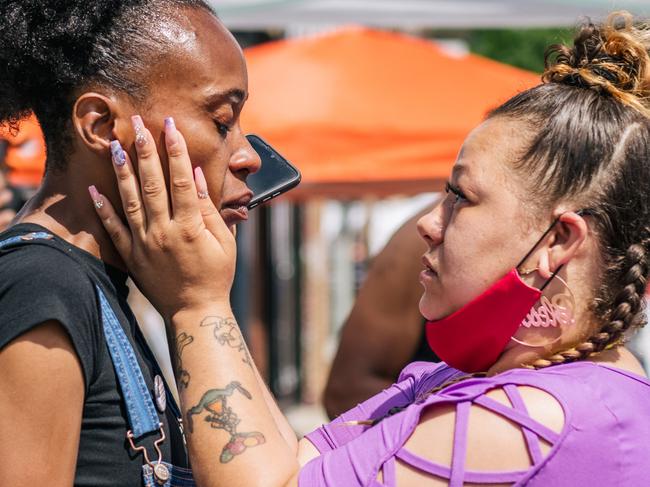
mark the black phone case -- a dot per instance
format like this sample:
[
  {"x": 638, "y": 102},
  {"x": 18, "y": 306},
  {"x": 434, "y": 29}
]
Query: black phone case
[{"x": 273, "y": 192}]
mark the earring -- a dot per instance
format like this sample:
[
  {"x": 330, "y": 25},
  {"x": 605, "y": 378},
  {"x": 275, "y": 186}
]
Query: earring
[{"x": 556, "y": 312}]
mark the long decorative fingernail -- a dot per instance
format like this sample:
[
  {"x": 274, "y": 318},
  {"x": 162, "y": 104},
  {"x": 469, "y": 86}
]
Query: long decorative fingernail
[
  {"x": 201, "y": 184},
  {"x": 98, "y": 199},
  {"x": 170, "y": 131},
  {"x": 138, "y": 126},
  {"x": 117, "y": 153}
]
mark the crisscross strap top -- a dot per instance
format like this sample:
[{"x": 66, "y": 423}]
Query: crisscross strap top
[{"x": 594, "y": 445}]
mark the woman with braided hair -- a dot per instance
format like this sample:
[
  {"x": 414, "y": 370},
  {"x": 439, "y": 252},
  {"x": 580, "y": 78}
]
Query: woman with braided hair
[{"x": 534, "y": 275}]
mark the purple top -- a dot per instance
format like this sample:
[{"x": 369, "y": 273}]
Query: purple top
[{"x": 605, "y": 439}]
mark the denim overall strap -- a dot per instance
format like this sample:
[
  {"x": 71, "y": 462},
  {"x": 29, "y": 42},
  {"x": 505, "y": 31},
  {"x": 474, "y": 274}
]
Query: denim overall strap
[
  {"x": 25, "y": 238},
  {"x": 140, "y": 410},
  {"x": 171, "y": 400}
]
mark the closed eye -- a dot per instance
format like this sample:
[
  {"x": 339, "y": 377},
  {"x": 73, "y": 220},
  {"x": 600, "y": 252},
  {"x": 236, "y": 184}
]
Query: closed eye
[
  {"x": 456, "y": 191},
  {"x": 222, "y": 128}
]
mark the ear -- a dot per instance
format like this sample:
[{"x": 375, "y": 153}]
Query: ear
[
  {"x": 94, "y": 117},
  {"x": 570, "y": 232}
]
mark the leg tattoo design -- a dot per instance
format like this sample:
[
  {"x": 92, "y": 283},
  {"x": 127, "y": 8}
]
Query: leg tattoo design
[{"x": 221, "y": 416}]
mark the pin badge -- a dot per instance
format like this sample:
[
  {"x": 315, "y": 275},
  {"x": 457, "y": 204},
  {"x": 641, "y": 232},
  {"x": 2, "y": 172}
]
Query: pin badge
[
  {"x": 159, "y": 391},
  {"x": 161, "y": 472}
]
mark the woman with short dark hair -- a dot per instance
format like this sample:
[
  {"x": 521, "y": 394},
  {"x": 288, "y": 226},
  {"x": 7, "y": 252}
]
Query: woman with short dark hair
[{"x": 76, "y": 373}]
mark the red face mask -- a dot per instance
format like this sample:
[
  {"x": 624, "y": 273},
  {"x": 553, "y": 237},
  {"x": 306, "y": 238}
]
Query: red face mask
[{"x": 472, "y": 338}]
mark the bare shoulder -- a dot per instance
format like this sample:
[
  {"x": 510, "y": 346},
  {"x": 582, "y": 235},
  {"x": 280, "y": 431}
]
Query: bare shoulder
[
  {"x": 494, "y": 439},
  {"x": 41, "y": 397}
]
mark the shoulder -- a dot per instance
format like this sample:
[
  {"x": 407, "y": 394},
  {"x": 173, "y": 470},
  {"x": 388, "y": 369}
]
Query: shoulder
[
  {"x": 485, "y": 426},
  {"x": 45, "y": 414},
  {"x": 39, "y": 271},
  {"x": 39, "y": 258},
  {"x": 40, "y": 284},
  {"x": 511, "y": 422},
  {"x": 36, "y": 277}
]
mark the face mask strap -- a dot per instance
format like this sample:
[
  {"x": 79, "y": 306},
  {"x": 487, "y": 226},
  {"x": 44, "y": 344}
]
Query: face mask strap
[
  {"x": 551, "y": 278},
  {"x": 530, "y": 252},
  {"x": 583, "y": 212}
]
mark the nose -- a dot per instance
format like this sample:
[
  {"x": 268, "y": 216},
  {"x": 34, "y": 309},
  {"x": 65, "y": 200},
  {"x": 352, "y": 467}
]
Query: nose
[
  {"x": 431, "y": 228},
  {"x": 245, "y": 160}
]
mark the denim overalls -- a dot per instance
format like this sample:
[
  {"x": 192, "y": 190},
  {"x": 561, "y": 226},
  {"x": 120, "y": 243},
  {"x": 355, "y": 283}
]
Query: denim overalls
[{"x": 141, "y": 412}]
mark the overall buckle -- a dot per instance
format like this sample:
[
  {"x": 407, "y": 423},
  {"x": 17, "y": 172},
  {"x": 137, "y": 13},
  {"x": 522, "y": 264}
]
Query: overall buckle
[{"x": 160, "y": 471}]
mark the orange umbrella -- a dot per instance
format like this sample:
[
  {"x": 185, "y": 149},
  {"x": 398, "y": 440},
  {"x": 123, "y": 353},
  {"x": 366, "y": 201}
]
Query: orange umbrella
[
  {"x": 364, "y": 107},
  {"x": 25, "y": 156}
]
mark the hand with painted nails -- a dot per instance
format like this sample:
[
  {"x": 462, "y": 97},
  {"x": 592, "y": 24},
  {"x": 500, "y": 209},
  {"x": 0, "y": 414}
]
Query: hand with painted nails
[{"x": 175, "y": 244}]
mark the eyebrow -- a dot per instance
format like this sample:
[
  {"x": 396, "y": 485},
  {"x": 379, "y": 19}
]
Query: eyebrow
[
  {"x": 235, "y": 96},
  {"x": 459, "y": 169}
]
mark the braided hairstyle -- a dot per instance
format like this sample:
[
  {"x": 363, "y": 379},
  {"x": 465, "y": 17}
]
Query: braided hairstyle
[
  {"x": 49, "y": 49},
  {"x": 590, "y": 146}
]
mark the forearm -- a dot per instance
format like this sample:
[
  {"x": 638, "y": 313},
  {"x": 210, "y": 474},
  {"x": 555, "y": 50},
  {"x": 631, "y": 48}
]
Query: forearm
[
  {"x": 233, "y": 427},
  {"x": 280, "y": 420},
  {"x": 231, "y": 433}
]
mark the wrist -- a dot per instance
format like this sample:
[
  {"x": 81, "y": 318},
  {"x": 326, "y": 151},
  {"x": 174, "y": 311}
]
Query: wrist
[{"x": 191, "y": 316}]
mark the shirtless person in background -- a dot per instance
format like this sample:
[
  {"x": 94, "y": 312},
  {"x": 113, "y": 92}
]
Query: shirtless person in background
[{"x": 385, "y": 330}]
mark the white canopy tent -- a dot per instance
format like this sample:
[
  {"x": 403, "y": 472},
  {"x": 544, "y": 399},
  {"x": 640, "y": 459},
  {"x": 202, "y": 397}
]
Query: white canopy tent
[{"x": 417, "y": 14}]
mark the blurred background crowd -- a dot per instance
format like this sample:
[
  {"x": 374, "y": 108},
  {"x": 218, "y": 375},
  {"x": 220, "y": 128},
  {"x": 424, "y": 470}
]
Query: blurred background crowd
[{"x": 371, "y": 100}]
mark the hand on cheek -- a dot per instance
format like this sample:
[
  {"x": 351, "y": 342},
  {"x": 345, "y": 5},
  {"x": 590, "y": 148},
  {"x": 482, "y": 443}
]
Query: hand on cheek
[{"x": 175, "y": 241}]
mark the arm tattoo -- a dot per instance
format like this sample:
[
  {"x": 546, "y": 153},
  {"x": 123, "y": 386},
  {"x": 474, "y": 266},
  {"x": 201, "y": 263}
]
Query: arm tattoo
[
  {"x": 227, "y": 333},
  {"x": 183, "y": 376},
  {"x": 221, "y": 416}
]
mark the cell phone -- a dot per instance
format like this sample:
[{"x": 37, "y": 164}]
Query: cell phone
[{"x": 275, "y": 177}]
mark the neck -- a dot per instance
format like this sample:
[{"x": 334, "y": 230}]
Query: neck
[
  {"x": 513, "y": 358},
  {"x": 619, "y": 357},
  {"x": 63, "y": 206}
]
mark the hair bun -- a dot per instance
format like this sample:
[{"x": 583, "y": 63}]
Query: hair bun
[{"x": 611, "y": 58}]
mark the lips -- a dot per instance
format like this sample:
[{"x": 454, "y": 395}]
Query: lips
[
  {"x": 428, "y": 276},
  {"x": 428, "y": 265},
  {"x": 235, "y": 210}
]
